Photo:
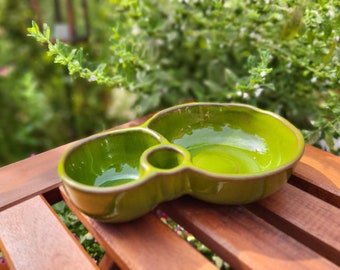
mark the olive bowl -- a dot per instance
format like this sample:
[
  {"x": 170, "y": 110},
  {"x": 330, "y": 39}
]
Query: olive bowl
[{"x": 221, "y": 153}]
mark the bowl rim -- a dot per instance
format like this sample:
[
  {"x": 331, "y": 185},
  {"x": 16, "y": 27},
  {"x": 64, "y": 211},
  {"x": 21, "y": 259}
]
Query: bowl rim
[
  {"x": 80, "y": 186},
  {"x": 144, "y": 127},
  {"x": 300, "y": 146}
]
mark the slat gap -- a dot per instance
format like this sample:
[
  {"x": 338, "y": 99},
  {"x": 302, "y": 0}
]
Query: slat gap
[
  {"x": 241, "y": 238},
  {"x": 304, "y": 217},
  {"x": 297, "y": 233},
  {"x": 316, "y": 191},
  {"x": 144, "y": 243}
]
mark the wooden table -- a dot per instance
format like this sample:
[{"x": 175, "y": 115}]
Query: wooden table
[{"x": 296, "y": 228}]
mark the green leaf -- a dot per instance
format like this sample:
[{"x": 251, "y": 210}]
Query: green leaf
[
  {"x": 101, "y": 67},
  {"x": 322, "y": 2},
  {"x": 292, "y": 27},
  {"x": 60, "y": 59},
  {"x": 72, "y": 54},
  {"x": 214, "y": 87},
  {"x": 330, "y": 53},
  {"x": 46, "y": 31},
  {"x": 337, "y": 126},
  {"x": 329, "y": 140},
  {"x": 230, "y": 77},
  {"x": 60, "y": 207},
  {"x": 34, "y": 29},
  {"x": 313, "y": 137},
  {"x": 79, "y": 55}
]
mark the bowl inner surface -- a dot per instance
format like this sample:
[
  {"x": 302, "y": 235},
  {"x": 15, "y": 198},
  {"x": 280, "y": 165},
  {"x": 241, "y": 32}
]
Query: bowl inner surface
[
  {"x": 230, "y": 139},
  {"x": 109, "y": 159},
  {"x": 165, "y": 158}
]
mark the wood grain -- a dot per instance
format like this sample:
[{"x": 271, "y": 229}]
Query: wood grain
[
  {"x": 25, "y": 179},
  {"x": 308, "y": 219},
  {"x": 35, "y": 175},
  {"x": 318, "y": 173},
  {"x": 241, "y": 238},
  {"x": 32, "y": 237},
  {"x": 145, "y": 243}
]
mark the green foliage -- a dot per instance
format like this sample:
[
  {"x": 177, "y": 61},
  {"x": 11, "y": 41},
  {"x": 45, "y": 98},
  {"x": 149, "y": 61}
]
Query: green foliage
[
  {"x": 280, "y": 55},
  {"x": 22, "y": 101},
  {"x": 41, "y": 107},
  {"x": 205, "y": 251},
  {"x": 79, "y": 231}
]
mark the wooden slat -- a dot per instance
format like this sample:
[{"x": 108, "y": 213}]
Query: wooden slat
[
  {"x": 32, "y": 237},
  {"x": 318, "y": 173},
  {"x": 312, "y": 221},
  {"x": 145, "y": 243},
  {"x": 4, "y": 267},
  {"x": 27, "y": 178},
  {"x": 241, "y": 238},
  {"x": 35, "y": 175}
]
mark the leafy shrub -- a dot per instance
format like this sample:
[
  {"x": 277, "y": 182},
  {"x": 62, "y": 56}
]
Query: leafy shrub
[
  {"x": 21, "y": 99},
  {"x": 41, "y": 107},
  {"x": 280, "y": 55}
]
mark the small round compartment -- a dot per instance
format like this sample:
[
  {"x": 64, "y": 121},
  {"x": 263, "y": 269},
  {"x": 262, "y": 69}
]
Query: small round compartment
[{"x": 164, "y": 157}]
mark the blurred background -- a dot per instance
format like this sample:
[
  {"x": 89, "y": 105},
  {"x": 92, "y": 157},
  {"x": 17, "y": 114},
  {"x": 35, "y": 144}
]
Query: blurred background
[
  {"x": 41, "y": 106},
  {"x": 129, "y": 58}
]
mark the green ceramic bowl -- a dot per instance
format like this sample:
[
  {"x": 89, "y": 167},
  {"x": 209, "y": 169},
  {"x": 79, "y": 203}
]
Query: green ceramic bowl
[{"x": 219, "y": 153}]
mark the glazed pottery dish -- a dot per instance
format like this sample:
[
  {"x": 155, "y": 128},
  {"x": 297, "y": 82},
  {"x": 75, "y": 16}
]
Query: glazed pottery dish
[{"x": 220, "y": 153}]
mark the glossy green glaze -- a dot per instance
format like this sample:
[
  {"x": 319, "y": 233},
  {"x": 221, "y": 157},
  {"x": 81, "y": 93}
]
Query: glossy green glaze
[{"x": 219, "y": 153}]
